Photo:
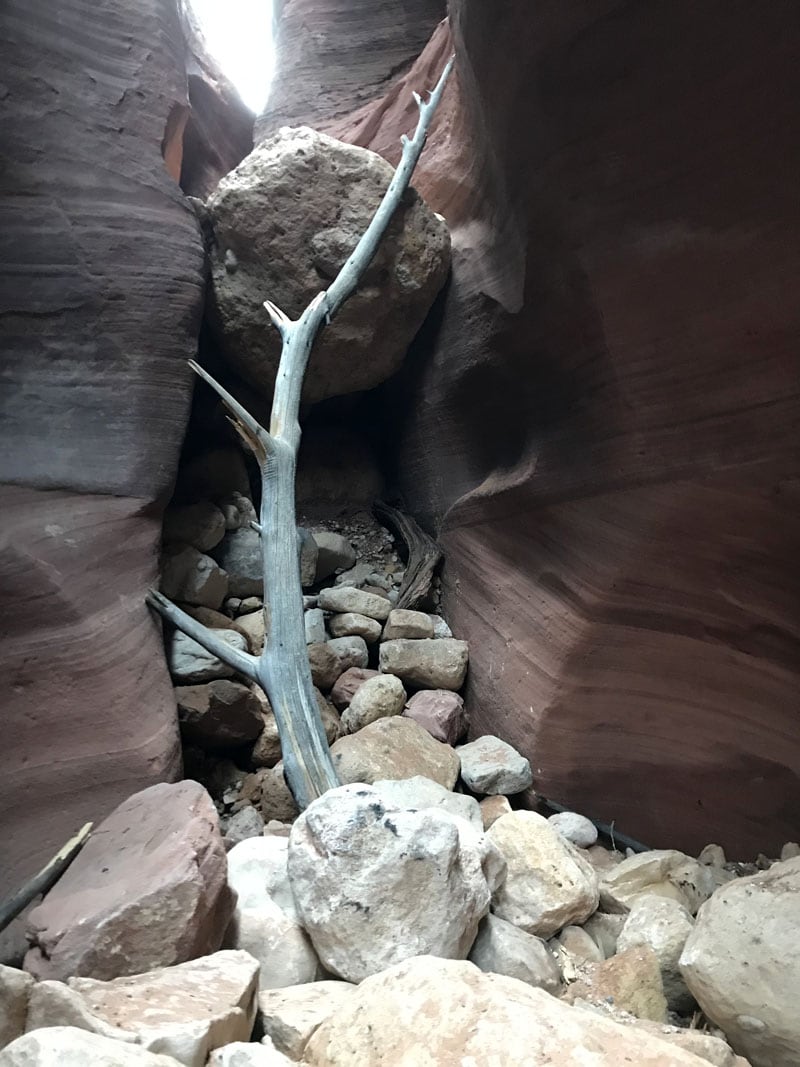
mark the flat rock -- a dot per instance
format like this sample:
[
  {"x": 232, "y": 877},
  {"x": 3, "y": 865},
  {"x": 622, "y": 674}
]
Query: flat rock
[
  {"x": 290, "y": 1016},
  {"x": 192, "y": 576},
  {"x": 358, "y": 870},
  {"x": 441, "y": 712},
  {"x": 437, "y": 1011},
  {"x": 350, "y": 652},
  {"x": 290, "y": 246},
  {"x": 68, "y": 1046},
  {"x": 351, "y": 624},
  {"x": 191, "y": 664},
  {"x": 378, "y": 698},
  {"x": 405, "y": 624},
  {"x": 15, "y": 985},
  {"x": 742, "y": 964},
  {"x": 421, "y": 793},
  {"x": 342, "y": 599},
  {"x": 219, "y": 714},
  {"x": 148, "y": 889},
  {"x": 201, "y": 525},
  {"x": 664, "y": 925},
  {"x": 394, "y": 748},
  {"x": 334, "y": 553},
  {"x": 576, "y": 828},
  {"x": 239, "y": 554},
  {"x": 440, "y": 663},
  {"x": 490, "y": 765},
  {"x": 347, "y": 684},
  {"x": 549, "y": 885},
  {"x": 501, "y": 948}
]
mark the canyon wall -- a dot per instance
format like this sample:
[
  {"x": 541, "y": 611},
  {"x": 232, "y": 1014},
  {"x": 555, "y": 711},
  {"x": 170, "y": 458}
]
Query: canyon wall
[{"x": 601, "y": 416}]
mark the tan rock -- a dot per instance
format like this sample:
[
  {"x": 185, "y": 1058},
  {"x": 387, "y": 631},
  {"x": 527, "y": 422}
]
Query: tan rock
[
  {"x": 351, "y": 624},
  {"x": 440, "y": 663},
  {"x": 343, "y": 599},
  {"x": 493, "y": 808},
  {"x": 501, "y": 948},
  {"x": 394, "y": 748},
  {"x": 254, "y": 627},
  {"x": 15, "y": 985},
  {"x": 267, "y": 749},
  {"x": 429, "y": 1012},
  {"x": 67, "y": 1046},
  {"x": 325, "y": 665},
  {"x": 549, "y": 884},
  {"x": 377, "y": 698},
  {"x": 408, "y": 625},
  {"x": 664, "y": 925},
  {"x": 290, "y": 1016},
  {"x": 604, "y": 930},
  {"x": 631, "y": 981},
  {"x": 661, "y": 872},
  {"x": 579, "y": 944}
]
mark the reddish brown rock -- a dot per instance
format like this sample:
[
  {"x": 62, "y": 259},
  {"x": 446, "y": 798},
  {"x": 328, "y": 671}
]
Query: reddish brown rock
[
  {"x": 348, "y": 683},
  {"x": 441, "y": 712},
  {"x": 219, "y": 714},
  {"x": 148, "y": 890}
]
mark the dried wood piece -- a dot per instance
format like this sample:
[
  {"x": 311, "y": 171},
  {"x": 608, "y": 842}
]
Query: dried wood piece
[
  {"x": 424, "y": 554},
  {"x": 47, "y": 876}
]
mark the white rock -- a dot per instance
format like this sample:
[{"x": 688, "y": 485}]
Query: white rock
[
  {"x": 742, "y": 964},
  {"x": 290, "y": 1016},
  {"x": 201, "y": 525},
  {"x": 189, "y": 662},
  {"x": 249, "y": 1054},
  {"x": 351, "y": 624},
  {"x": 315, "y": 626},
  {"x": 342, "y": 599},
  {"x": 377, "y": 698},
  {"x": 660, "y": 872},
  {"x": 421, "y": 793},
  {"x": 549, "y": 884},
  {"x": 410, "y": 625},
  {"x": 501, "y": 948},
  {"x": 664, "y": 925},
  {"x": 490, "y": 765},
  {"x": 193, "y": 577},
  {"x": 440, "y": 663},
  {"x": 359, "y": 871},
  {"x": 440, "y": 627},
  {"x": 266, "y": 923},
  {"x": 350, "y": 651},
  {"x": 576, "y": 828},
  {"x": 67, "y": 1046},
  {"x": 15, "y": 985}
]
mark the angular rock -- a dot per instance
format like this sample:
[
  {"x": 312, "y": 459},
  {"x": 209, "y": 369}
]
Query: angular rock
[
  {"x": 422, "y": 793},
  {"x": 15, "y": 985},
  {"x": 334, "y": 553},
  {"x": 254, "y": 626},
  {"x": 501, "y": 948},
  {"x": 55, "y": 1003},
  {"x": 663, "y": 925},
  {"x": 581, "y": 947},
  {"x": 437, "y": 1011},
  {"x": 347, "y": 684},
  {"x": 201, "y": 525},
  {"x": 660, "y": 872},
  {"x": 249, "y": 604},
  {"x": 325, "y": 665},
  {"x": 243, "y": 825},
  {"x": 440, "y": 663},
  {"x": 440, "y": 627},
  {"x": 191, "y": 664},
  {"x": 183, "y": 1011},
  {"x": 67, "y": 1046},
  {"x": 631, "y": 981},
  {"x": 351, "y": 652},
  {"x": 148, "y": 889},
  {"x": 549, "y": 885},
  {"x": 290, "y": 1016},
  {"x": 314, "y": 621},
  {"x": 249, "y": 1054},
  {"x": 394, "y": 748},
  {"x": 492, "y": 809},
  {"x": 576, "y": 828},
  {"x": 358, "y": 870},
  {"x": 239, "y": 554},
  {"x": 377, "y": 698},
  {"x": 350, "y": 624},
  {"x": 266, "y": 923},
  {"x": 219, "y": 714},
  {"x": 289, "y": 246},
  {"x": 407, "y": 625},
  {"x": 489, "y": 765},
  {"x": 441, "y": 712},
  {"x": 742, "y": 964},
  {"x": 189, "y": 575},
  {"x": 343, "y": 599}
]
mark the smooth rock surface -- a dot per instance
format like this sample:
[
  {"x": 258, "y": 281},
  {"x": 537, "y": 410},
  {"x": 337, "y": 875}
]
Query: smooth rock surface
[
  {"x": 742, "y": 964},
  {"x": 343, "y": 599},
  {"x": 549, "y": 885},
  {"x": 421, "y": 793},
  {"x": 248, "y": 1054},
  {"x": 441, "y": 712},
  {"x": 378, "y": 698},
  {"x": 351, "y": 624},
  {"x": 239, "y": 554},
  {"x": 663, "y": 925},
  {"x": 290, "y": 246},
  {"x": 67, "y": 1046},
  {"x": 253, "y": 625},
  {"x": 411, "y": 625},
  {"x": 490, "y": 765},
  {"x": 580, "y": 945},
  {"x": 492, "y": 809},
  {"x": 576, "y": 828},
  {"x": 290, "y": 1016},
  {"x": 394, "y": 748},
  {"x": 501, "y": 948},
  {"x": 219, "y": 714},
  {"x": 359, "y": 868},
  {"x": 191, "y": 664},
  {"x": 436, "y": 664},
  {"x": 148, "y": 889}
]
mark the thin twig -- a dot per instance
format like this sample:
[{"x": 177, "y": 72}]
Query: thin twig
[{"x": 47, "y": 876}]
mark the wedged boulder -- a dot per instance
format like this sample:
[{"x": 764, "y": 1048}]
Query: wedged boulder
[
  {"x": 576, "y": 828},
  {"x": 67, "y": 1046},
  {"x": 265, "y": 922},
  {"x": 436, "y": 1011},
  {"x": 325, "y": 665},
  {"x": 441, "y": 712},
  {"x": 394, "y": 748},
  {"x": 742, "y": 964},
  {"x": 334, "y": 552},
  {"x": 245, "y": 823},
  {"x": 239, "y": 554},
  {"x": 420, "y": 793},
  {"x": 189, "y": 575},
  {"x": 347, "y": 684},
  {"x": 409, "y": 625},
  {"x": 490, "y": 765},
  {"x": 290, "y": 1016},
  {"x": 664, "y": 925},
  {"x": 346, "y": 599},
  {"x": 314, "y": 622},
  {"x": 350, "y": 651},
  {"x": 351, "y": 624},
  {"x": 359, "y": 869},
  {"x": 501, "y": 948},
  {"x": 201, "y": 525},
  {"x": 254, "y": 626},
  {"x": 604, "y": 930},
  {"x": 663, "y": 873},
  {"x": 15, "y": 985},
  {"x": 183, "y": 1011},
  {"x": 378, "y": 698},
  {"x": 148, "y": 889},
  {"x": 439, "y": 663},
  {"x": 191, "y": 664},
  {"x": 549, "y": 885},
  {"x": 219, "y": 714},
  {"x": 580, "y": 945},
  {"x": 270, "y": 240},
  {"x": 493, "y": 808}
]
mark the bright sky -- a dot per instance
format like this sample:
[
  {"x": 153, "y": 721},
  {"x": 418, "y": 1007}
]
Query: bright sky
[{"x": 239, "y": 33}]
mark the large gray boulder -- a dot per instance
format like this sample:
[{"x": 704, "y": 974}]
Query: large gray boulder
[{"x": 285, "y": 220}]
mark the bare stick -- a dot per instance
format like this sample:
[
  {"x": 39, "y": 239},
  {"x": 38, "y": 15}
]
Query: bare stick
[
  {"x": 282, "y": 669},
  {"x": 46, "y": 877}
]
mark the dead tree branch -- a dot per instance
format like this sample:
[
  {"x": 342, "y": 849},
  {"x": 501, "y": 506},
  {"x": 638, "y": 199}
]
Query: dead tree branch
[{"x": 46, "y": 877}]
